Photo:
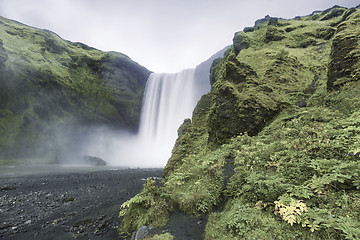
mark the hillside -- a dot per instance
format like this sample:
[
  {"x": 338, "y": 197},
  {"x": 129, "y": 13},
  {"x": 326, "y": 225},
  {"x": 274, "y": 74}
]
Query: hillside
[
  {"x": 51, "y": 89},
  {"x": 271, "y": 152}
]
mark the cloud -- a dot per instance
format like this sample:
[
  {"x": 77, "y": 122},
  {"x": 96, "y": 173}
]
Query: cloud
[{"x": 162, "y": 35}]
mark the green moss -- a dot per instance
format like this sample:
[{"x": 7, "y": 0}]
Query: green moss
[
  {"x": 44, "y": 79},
  {"x": 152, "y": 204},
  {"x": 165, "y": 236},
  {"x": 240, "y": 220},
  {"x": 345, "y": 53},
  {"x": 286, "y": 136}
]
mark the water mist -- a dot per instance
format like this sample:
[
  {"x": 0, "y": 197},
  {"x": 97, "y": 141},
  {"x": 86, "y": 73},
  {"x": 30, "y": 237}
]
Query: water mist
[{"x": 169, "y": 98}]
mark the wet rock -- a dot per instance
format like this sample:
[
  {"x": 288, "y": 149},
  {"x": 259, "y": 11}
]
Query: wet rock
[
  {"x": 82, "y": 205},
  {"x": 5, "y": 225},
  {"x": 28, "y": 222},
  {"x": 67, "y": 199},
  {"x": 94, "y": 161},
  {"x": 84, "y": 221},
  {"x": 141, "y": 233},
  {"x": 8, "y": 187}
]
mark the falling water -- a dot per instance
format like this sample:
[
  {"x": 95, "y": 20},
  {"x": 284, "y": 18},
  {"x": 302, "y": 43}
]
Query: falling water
[{"x": 168, "y": 100}]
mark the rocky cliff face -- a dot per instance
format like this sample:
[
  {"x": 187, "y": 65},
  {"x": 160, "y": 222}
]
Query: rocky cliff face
[
  {"x": 47, "y": 83},
  {"x": 272, "y": 151}
]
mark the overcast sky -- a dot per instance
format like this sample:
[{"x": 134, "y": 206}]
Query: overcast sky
[{"x": 162, "y": 35}]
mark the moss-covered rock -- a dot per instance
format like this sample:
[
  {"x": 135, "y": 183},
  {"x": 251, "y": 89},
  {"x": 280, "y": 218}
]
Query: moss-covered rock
[
  {"x": 292, "y": 143},
  {"x": 240, "y": 41},
  {"x": 345, "y": 54},
  {"x": 48, "y": 83}
]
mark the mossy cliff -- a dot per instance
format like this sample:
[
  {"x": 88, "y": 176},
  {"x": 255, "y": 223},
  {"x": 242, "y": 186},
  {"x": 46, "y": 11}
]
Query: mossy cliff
[
  {"x": 47, "y": 82},
  {"x": 271, "y": 150}
]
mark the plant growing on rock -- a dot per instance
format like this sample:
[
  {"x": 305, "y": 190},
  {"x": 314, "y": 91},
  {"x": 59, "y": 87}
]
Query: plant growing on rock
[{"x": 151, "y": 207}]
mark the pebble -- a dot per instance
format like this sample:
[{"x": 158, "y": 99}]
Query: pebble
[{"x": 25, "y": 208}]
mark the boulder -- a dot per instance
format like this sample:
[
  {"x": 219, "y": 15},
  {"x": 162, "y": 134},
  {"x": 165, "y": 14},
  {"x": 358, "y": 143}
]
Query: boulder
[
  {"x": 94, "y": 161},
  {"x": 240, "y": 41},
  {"x": 274, "y": 34},
  {"x": 141, "y": 233}
]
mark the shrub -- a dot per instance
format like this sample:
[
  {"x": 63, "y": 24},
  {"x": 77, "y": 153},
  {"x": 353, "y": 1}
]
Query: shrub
[{"x": 151, "y": 207}]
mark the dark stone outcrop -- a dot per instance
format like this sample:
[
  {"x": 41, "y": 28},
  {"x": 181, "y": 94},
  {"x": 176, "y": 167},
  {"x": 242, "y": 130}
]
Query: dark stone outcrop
[
  {"x": 240, "y": 41},
  {"x": 345, "y": 54},
  {"x": 274, "y": 34},
  {"x": 94, "y": 161},
  {"x": 227, "y": 120}
]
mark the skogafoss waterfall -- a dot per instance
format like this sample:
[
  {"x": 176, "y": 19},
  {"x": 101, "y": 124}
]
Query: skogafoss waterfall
[{"x": 168, "y": 100}]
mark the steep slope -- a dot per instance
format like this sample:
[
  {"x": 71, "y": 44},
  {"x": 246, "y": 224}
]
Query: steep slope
[
  {"x": 272, "y": 151},
  {"x": 48, "y": 84}
]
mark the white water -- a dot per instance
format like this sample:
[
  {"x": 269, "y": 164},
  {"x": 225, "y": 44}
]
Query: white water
[{"x": 168, "y": 100}]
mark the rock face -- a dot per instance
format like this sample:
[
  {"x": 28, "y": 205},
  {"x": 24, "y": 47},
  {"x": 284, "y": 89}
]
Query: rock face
[
  {"x": 94, "y": 161},
  {"x": 345, "y": 54},
  {"x": 48, "y": 83},
  {"x": 278, "y": 131}
]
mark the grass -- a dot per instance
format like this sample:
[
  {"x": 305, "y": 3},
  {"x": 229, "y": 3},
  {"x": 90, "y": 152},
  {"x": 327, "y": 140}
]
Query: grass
[
  {"x": 45, "y": 79},
  {"x": 289, "y": 138}
]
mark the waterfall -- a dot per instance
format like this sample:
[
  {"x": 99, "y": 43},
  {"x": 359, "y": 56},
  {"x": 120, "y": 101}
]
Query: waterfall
[{"x": 168, "y": 100}]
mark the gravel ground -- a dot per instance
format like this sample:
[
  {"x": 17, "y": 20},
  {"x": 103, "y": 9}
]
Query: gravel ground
[{"x": 66, "y": 203}]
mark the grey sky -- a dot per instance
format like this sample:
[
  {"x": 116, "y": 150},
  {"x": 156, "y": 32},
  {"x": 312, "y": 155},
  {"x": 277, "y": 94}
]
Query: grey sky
[{"x": 162, "y": 35}]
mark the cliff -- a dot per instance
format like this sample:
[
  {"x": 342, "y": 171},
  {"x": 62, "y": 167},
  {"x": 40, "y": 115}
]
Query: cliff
[
  {"x": 50, "y": 86},
  {"x": 272, "y": 151}
]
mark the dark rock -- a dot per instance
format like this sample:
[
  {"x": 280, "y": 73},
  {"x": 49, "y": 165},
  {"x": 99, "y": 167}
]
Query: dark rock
[
  {"x": 67, "y": 199},
  {"x": 84, "y": 221},
  {"x": 9, "y": 187},
  {"x": 237, "y": 71},
  {"x": 345, "y": 56},
  {"x": 274, "y": 34},
  {"x": 248, "y": 29},
  {"x": 333, "y": 12},
  {"x": 290, "y": 29},
  {"x": 301, "y": 103},
  {"x": 227, "y": 120},
  {"x": 94, "y": 161},
  {"x": 240, "y": 41},
  {"x": 5, "y": 225},
  {"x": 262, "y": 20},
  {"x": 184, "y": 128},
  {"x": 141, "y": 233},
  {"x": 273, "y": 22}
]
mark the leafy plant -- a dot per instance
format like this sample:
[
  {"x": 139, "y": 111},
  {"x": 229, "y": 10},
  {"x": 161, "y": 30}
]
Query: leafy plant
[
  {"x": 291, "y": 211},
  {"x": 151, "y": 207}
]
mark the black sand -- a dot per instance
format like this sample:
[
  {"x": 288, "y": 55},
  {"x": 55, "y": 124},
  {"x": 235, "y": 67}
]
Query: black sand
[{"x": 78, "y": 204}]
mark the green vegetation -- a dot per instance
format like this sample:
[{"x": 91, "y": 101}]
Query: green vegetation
[
  {"x": 152, "y": 204},
  {"x": 47, "y": 83},
  {"x": 271, "y": 151},
  {"x": 165, "y": 236}
]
